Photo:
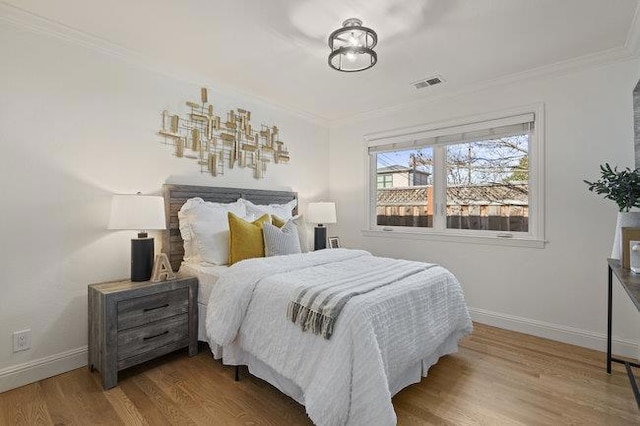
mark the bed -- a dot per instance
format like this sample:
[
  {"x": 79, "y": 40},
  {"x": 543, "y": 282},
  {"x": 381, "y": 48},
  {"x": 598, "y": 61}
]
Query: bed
[
  {"x": 173, "y": 246},
  {"x": 384, "y": 339}
]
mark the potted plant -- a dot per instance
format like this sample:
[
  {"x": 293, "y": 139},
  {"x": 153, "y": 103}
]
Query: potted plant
[{"x": 623, "y": 187}]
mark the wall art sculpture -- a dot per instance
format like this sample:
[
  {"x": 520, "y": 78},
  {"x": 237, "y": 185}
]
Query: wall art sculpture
[{"x": 202, "y": 135}]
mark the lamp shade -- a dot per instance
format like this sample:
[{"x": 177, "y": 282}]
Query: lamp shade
[
  {"x": 137, "y": 212},
  {"x": 323, "y": 212}
]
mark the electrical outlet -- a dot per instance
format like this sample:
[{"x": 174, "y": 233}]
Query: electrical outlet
[{"x": 21, "y": 340}]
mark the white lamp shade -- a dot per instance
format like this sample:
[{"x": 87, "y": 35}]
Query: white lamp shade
[
  {"x": 323, "y": 212},
  {"x": 137, "y": 212}
]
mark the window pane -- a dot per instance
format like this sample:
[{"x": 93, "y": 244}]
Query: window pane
[
  {"x": 488, "y": 184},
  {"x": 404, "y": 188}
]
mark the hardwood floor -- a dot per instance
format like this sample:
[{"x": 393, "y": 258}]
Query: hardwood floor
[{"x": 498, "y": 377}]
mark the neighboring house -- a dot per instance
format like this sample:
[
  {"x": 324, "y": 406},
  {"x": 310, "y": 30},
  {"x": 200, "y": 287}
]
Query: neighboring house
[{"x": 401, "y": 176}]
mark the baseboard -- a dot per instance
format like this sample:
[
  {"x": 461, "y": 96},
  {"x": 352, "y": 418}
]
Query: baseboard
[
  {"x": 42, "y": 368},
  {"x": 575, "y": 336}
]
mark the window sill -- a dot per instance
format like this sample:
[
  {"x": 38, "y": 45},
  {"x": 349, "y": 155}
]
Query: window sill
[{"x": 467, "y": 239}]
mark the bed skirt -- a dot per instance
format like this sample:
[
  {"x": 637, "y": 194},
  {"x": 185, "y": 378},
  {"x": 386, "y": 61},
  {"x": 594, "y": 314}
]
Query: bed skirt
[{"x": 234, "y": 355}]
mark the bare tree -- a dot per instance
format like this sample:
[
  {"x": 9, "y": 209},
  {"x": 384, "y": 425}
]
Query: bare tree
[{"x": 501, "y": 161}]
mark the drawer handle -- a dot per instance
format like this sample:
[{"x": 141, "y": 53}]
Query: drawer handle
[
  {"x": 155, "y": 335},
  {"x": 157, "y": 307}
]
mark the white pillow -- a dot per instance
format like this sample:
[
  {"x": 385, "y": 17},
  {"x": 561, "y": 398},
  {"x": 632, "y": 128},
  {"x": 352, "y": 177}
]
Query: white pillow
[
  {"x": 303, "y": 232},
  {"x": 205, "y": 230},
  {"x": 280, "y": 241},
  {"x": 283, "y": 211}
]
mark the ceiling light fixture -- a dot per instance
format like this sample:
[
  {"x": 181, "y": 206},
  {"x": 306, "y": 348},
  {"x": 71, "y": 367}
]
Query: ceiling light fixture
[{"x": 352, "y": 47}]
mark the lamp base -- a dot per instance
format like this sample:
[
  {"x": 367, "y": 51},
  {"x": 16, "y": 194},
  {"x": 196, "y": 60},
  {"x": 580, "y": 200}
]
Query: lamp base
[
  {"x": 142, "y": 253},
  {"x": 319, "y": 237}
]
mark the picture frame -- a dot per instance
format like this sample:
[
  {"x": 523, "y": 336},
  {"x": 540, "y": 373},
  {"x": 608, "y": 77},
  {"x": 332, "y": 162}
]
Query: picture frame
[
  {"x": 628, "y": 234},
  {"x": 334, "y": 242}
]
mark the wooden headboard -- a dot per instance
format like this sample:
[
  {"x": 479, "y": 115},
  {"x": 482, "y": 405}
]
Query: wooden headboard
[{"x": 176, "y": 195}]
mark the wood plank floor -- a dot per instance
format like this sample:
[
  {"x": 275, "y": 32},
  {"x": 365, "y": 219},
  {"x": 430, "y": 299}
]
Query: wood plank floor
[{"x": 498, "y": 377}]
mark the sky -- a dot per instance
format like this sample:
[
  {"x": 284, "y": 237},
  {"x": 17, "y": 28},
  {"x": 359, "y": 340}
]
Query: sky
[{"x": 488, "y": 154}]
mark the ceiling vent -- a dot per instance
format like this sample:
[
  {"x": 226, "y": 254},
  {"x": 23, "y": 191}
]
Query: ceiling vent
[{"x": 426, "y": 82}]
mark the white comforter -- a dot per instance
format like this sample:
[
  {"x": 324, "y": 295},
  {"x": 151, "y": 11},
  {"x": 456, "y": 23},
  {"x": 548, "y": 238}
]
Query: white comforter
[{"x": 348, "y": 379}]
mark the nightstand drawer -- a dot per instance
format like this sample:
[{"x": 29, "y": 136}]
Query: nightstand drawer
[
  {"x": 143, "y": 310},
  {"x": 152, "y": 336}
]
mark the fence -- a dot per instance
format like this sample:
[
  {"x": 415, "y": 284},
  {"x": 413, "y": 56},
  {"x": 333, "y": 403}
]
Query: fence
[{"x": 499, "y": 207}]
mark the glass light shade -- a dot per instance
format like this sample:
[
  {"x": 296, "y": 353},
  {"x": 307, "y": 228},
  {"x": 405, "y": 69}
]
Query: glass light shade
[
  {"x": 352, "y": 47},
  {"x": 323, "y": 212},
  {"x": 137, "y": 212}
]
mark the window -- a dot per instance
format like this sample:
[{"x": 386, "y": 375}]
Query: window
[
  {"x": 385, "y": 181},
  {"x": 487, "y": 184},
  {"x": 475, "y": 179},
  {"x": 405, "y": 204}
]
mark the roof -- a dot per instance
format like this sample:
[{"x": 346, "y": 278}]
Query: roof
[{"x": 398, "y": 169}]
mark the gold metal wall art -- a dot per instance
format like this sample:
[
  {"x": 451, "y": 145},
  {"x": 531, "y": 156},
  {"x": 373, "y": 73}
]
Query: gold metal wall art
[{"x": 219, "y": 142}]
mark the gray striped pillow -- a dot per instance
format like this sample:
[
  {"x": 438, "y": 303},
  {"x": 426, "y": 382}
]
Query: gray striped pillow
[{"x": 281, "y": 241}]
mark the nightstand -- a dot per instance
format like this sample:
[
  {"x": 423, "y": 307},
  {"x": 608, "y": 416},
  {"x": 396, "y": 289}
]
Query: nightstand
[{"x": 130, "y": 323}]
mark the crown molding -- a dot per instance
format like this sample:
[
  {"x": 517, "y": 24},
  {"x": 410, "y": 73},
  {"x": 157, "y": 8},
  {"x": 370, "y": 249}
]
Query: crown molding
[
  {"x": 48, "y": 27},
  {"x": 51, "y": 28},
  {"x": 630, "y": 50},
  {"x": 604, "y": 57},
  {"x": 44, "y": 26},
  {"x": 632, "y": 44}
]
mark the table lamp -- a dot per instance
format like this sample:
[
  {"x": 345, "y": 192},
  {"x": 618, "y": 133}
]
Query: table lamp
[
  {"x": 321, "y": 213},
  {"x": 142, "y": 213}
]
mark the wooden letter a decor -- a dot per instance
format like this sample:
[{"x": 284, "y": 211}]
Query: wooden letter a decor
[{"x": 162, "y": 269}]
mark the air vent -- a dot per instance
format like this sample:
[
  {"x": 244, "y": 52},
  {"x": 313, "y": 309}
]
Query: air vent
[{"x": 426, "y": 82}]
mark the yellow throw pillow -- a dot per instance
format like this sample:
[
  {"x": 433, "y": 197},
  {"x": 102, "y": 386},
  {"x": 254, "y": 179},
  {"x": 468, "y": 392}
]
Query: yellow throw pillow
[
  {"x": 245, "y": 238},
  {"x": 276, "y": 221}
]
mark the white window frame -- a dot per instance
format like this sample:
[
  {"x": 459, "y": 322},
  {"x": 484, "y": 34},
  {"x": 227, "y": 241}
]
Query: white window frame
[{"x": 409, "y": 137}]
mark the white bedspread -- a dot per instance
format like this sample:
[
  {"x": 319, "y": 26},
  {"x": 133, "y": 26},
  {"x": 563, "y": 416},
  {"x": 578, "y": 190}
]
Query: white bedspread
[
  {"x": 208, "y": 277},
  {"x": 345, "y": 380}
]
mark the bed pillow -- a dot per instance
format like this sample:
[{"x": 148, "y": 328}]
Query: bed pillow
[
  {"x": 245, "y": 238},
  {"x": 301, "y": 226},
  {"x": 283, "y": 211},
  {"x": 279, "y": 241},
  {"x": 205, "y": 230}
]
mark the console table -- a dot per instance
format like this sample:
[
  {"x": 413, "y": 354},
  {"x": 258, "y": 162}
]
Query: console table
[{"x": 631, "y": 284}]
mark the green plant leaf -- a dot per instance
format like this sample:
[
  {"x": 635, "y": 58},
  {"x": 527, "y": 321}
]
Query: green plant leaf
[{"x": 623, "y": 187}]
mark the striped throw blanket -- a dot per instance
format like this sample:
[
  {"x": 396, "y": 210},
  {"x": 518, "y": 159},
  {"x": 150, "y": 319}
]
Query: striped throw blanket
[{"x": 316, "y": 307}]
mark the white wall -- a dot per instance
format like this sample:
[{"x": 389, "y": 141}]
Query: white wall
[
  {"x": 558, "y": 291},
  {"x": 77, "y": 126}
]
